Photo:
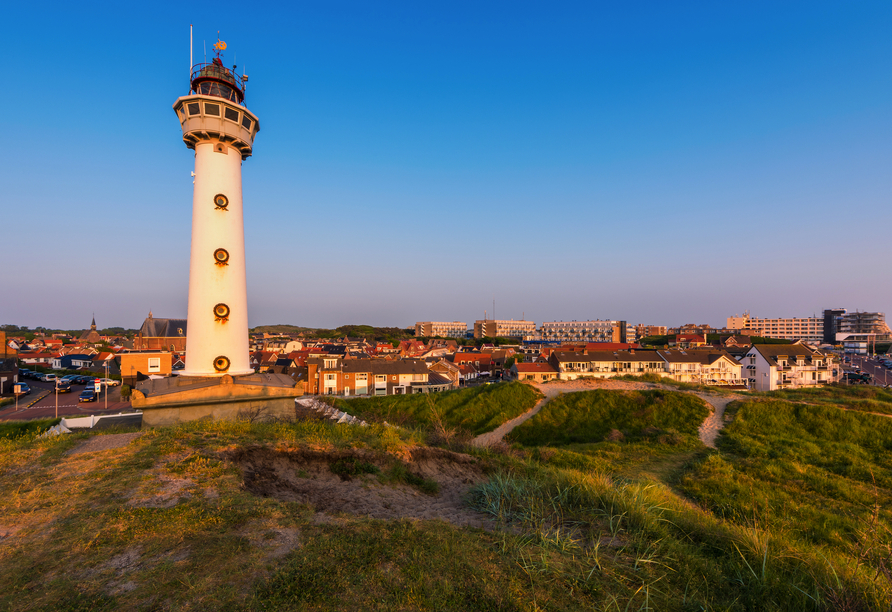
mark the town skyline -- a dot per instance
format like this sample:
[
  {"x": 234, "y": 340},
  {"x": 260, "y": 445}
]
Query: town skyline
[{"x": 659, "y": 165}]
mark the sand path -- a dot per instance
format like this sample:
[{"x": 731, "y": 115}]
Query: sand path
[
  {"x": 710, "y": 428},
  {"x": 708, "y": 431}
]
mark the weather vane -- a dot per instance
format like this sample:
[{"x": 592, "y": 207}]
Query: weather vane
[{"x": 219, "y": 45}]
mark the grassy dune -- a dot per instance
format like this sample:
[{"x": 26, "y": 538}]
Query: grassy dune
[
  {"x": 864, "y": 398},
  {"x": 474, "y": 410},
  {"x": 789, "y": 513},
  {"x": 590, "y": 416}
]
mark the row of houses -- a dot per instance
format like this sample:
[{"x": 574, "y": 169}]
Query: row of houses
[{"x": 763, "y": 367}]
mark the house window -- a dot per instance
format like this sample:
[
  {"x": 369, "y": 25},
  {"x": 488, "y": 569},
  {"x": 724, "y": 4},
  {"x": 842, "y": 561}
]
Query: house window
[{"x": 154, "y": 364}]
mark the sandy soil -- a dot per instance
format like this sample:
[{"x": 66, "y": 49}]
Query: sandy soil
[
  {"x": 305, "y": 476},
  {"x": 710, "y": 428},
  {"x": 101, "y": 443}
]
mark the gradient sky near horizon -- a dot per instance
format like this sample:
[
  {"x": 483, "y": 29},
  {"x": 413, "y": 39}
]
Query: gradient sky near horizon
[{"x": 662, "y": 163}]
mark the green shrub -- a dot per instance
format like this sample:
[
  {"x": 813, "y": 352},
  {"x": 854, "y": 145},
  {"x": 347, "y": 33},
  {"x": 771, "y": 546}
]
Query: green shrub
[{"x": 16, "y": 429}]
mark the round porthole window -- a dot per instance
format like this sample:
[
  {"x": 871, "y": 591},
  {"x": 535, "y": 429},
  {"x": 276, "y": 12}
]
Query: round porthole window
[
  {"x": 221, "y": 256},
  {"x": 221, "y": 201},
  {"x": 221, "y": 363},
  {"x": 221, "y": 311}
]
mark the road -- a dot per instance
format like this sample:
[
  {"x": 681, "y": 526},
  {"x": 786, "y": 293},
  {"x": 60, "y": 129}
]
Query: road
[
  {"x": 69, "y": 405},
  {"x": 881, "y": 376}
]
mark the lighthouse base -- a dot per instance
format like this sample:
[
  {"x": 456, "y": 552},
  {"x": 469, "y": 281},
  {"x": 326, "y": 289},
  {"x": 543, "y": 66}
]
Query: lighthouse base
[{"x": 169, "y": 401}]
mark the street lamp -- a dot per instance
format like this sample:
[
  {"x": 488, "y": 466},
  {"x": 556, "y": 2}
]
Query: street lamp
[{"x": 57, "y": 398}]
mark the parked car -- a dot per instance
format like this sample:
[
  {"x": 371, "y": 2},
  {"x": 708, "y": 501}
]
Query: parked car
[
  {"x": 21, "y": 389},
  {"x": 87, "y": 395},
  {"x": 63, "y": 386},
  {"x": 109, "y": 382},
  {"x": 69, "y": 377},
  {"x": 856, "y": 378},
  {"x": 84, "y": 380},
  {"x": 24, "y": 372},
  {"x": 48, "y": 377}
]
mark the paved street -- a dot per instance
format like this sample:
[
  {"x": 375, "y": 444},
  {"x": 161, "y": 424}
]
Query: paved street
[
  {"x": 881, "y": 376},
  {"x": 68, "y": 403}
]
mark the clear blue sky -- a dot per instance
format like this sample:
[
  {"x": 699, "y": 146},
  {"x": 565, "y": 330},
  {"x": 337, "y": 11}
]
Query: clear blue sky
[{"x": 662, "y": 163}]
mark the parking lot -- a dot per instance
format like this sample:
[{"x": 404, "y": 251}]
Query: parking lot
[{"x": 41, "y": 403}]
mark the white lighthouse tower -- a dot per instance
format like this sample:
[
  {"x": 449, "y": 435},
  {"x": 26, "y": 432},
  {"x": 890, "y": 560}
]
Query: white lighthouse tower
[{"x": 218, "y": 127}]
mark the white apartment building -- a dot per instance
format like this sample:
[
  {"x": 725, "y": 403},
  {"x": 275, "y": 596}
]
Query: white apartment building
[
  {"x": 443, "y": 329},
  {"x": 502, "y": 328},
  {"x": 584, "y": 331},
  {"x": 768, "y": 367},
  {"x": 809, "y": 329}
]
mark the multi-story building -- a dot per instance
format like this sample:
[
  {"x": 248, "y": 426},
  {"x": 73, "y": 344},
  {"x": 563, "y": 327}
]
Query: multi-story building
[
  {"x": 444, "y": 329},
  {"x": 643, "y": 331},
  {"x": 707, "y": 367},
  {"x": 585, "y": 331},
  {"x": 810, "y": 329},
  {"x": 831, "y": 324},
  {"x": 864, "y": 323},
  {"x": 502, "y": 328},
  {"x": 330, "y": 375},
  {"x": 782, "y": 366}
]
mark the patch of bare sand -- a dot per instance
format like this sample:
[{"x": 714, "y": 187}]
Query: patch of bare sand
[
  {"x": 306, "y": 476},
  {"x": 276, "y": 542},
  {"x": 102, "y": 443},
  {"x": 710, "y": 428},
  {"x": 164, "y": 491}
]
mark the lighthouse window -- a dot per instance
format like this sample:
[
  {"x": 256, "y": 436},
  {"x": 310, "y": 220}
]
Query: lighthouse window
[
  {"x": 212, "y": 109},
  {"x": 231, "y": 114},
  {"x": 246, "y": 122},
  {"x": 194, "y": 109}
]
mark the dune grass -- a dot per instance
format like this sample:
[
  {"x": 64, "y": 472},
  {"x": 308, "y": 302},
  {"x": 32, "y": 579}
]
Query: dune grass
[
  {"x": 789, "y": 513},
  {"x": 14, "y": 429},
  {"x": 592, "y": 416},
  {"x": 864, "y": 398},
  {"x": 474, "y": 410}
]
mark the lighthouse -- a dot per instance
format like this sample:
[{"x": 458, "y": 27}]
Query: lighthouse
[
  {"x": 221, "y": 130},
  {"x": 218, "y": 127}
]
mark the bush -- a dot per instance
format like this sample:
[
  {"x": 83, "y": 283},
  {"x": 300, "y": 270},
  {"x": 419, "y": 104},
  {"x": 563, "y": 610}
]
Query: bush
[{"x": 125, "y": 391}]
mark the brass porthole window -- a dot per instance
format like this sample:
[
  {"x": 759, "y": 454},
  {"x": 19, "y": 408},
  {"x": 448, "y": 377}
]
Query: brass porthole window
[
  {"x": 221, "y": 257},
  {"x": 221, "y": 201},
  {"x": 221, "y": 363},
  {"x": 221, "y": 312}
]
